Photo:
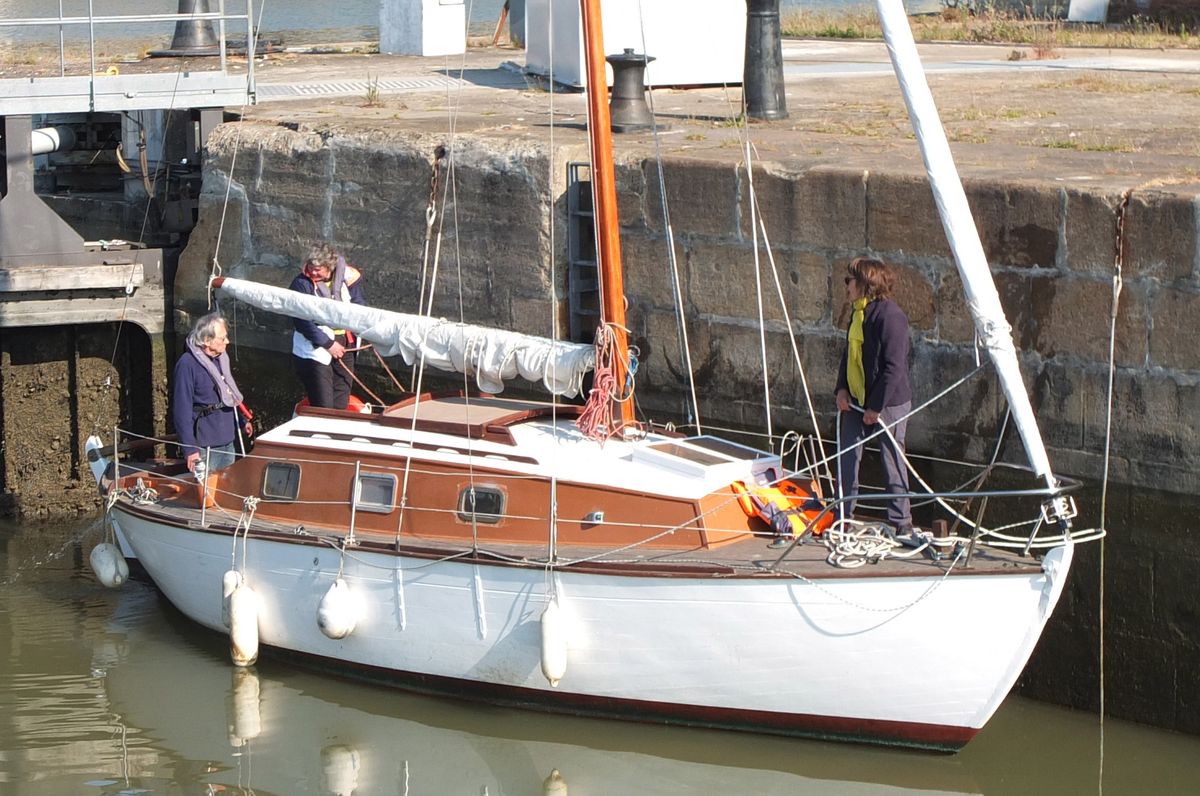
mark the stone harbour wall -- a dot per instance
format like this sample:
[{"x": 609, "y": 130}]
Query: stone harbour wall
[{"x": 1052, "y": 250}]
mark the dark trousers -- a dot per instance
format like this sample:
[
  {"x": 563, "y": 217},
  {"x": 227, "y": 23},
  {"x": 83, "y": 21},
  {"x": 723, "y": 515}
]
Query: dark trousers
[
  {"x": 899, "y": 512},
  {"x": 327, "y": 385}
]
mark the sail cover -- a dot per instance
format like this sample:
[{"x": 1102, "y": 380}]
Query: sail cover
[
  {"x": 492, "y": 356},
  {"x": 991, "y": 327}
]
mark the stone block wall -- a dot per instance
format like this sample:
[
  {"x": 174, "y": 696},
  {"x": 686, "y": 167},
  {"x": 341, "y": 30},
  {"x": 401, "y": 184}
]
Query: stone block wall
[{"x": 501, "y": 261}]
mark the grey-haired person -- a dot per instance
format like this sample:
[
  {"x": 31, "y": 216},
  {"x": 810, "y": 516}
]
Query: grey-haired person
[{"x": 206, "y": 404}]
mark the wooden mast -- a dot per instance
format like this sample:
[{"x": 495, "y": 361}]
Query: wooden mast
[{"x": 604, "y": 200}]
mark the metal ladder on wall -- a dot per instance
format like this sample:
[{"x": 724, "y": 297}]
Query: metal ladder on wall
[{"x": 583, "y": 279}]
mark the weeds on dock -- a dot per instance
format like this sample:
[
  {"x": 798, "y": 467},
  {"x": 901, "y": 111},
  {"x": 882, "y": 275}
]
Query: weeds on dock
[
  {"x": 371, "y": 95},
  {"x": 992, "y": 27}
]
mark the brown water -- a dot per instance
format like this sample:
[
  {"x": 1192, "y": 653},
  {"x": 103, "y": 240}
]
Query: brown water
[{"x": 113, "y": 692}]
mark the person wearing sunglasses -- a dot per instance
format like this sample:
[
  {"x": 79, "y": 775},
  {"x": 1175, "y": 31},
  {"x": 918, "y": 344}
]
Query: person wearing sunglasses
[{"x": 873, "y": 386}]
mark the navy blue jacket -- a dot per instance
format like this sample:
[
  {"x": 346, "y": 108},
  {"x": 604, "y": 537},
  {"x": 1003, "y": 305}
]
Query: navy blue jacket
[
  {"x": 302, "y": 284},
  {"x": 194, "y": 388},
  {"x": 885, "y": 356}
]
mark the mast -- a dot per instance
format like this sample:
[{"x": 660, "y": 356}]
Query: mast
[{"x": 604, "y": 199}]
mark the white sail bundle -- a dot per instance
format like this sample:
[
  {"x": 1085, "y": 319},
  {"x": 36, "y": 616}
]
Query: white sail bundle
[
  {"x": 492, "y": 356},
  {"x": 991, "y": 326}
]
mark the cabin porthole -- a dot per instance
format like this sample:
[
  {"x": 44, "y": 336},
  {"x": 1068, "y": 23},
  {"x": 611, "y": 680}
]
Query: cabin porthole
[
  {"x": 481, "y": 504},
  {"x": 281, "y": 481},
  {"x": 375, "y": 492}
]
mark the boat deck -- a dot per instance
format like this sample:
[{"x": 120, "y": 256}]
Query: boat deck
[{"x": 749, "y": 557}]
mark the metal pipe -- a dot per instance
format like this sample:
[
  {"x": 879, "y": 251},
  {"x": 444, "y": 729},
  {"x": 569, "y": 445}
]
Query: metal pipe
[{"x": 45, "y": 140}]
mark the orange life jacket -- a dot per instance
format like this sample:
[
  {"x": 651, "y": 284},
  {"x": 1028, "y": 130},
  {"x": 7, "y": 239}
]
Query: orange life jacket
[{"x": 785, "y": 506}]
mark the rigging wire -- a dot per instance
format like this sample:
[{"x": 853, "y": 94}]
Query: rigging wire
[
  {"x": 251, "y": 49},
  {"x": 676, "y": 280},
  {"x": 758, "y": 291},
  {"x": 550, "y": 583},
  {"x": 1117, "y": 284},
  {"x": 141, "y": 237},
  {"x": 787, "y": 317}
]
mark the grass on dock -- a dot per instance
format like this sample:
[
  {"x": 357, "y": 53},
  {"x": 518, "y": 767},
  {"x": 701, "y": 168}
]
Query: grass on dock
[{"x": 998, "y": 28}]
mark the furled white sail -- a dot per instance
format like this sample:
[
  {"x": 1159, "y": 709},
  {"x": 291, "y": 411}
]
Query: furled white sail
[
  {"x": 991, "y": 326},
  {"x": 492, "y": 356}
]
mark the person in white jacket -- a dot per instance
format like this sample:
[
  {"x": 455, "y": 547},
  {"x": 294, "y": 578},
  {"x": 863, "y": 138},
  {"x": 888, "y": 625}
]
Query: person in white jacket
[{"x": 324, "y": 358}]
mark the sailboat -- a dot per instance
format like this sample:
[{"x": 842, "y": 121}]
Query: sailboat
[{"x": 575, "y": 560}]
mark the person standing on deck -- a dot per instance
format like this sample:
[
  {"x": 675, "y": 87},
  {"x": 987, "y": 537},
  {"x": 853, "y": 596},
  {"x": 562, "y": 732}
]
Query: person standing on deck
[
  {"x": 323, "y": 357},
  {"x": 873, "y": 385},
  {"x": 206, "y": 402}
]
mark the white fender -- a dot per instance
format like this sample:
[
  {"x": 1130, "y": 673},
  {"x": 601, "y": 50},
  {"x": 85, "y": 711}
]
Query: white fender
[
  {"x": 554, "y": 643},
  {"x": 243, "y": 625},
  {"x": 229, "y": 583},
  {"x": 340, "y": 765},
  {"x": 554, "y": 785},
  {"x": 109, "y": 565},
  {"x": 339, "y": 610},
  {"x": 245, "y": 716}
]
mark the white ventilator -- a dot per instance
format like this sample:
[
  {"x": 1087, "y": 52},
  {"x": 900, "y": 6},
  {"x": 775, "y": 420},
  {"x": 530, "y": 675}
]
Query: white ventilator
[
  {"x": 339, "y": 611},
  {"x": 554, "y": 643},
  {"x": 243, "y": 625},
  {"x": 109, "y": 565}
]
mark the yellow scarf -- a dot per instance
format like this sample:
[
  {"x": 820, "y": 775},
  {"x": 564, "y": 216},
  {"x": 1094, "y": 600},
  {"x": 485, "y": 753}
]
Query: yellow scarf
[{"x": 855, "y": 377}]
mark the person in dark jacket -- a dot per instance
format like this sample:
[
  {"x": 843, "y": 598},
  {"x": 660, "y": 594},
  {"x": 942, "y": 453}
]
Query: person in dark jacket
[
  {"x": 873, "y": 385},
  {"x": 205, "y": 399},
  {"x": 323, "y": 357}
]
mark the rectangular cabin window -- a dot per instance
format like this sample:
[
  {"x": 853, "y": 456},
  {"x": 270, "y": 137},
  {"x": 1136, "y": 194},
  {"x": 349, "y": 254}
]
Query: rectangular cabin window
[
  {"x": 281, "y": 481},
  {"x": 481, "y": 504},
  {"x": 376, "y": 493}
]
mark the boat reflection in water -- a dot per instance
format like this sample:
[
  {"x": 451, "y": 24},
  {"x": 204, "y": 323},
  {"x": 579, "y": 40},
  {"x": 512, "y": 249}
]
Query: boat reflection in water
[{"x": 274, "y": 729}]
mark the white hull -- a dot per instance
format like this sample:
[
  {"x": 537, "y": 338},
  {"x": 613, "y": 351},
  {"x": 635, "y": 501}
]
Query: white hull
[{"x": 918, "y": 661}]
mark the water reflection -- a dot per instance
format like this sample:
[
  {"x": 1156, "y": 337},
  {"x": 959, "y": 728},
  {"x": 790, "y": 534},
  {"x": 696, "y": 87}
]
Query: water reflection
[{"x": 112, "y": 692}]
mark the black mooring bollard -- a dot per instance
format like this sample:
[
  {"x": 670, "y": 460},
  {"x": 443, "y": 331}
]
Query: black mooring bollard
[
  {"x": 627, "y": 105},
  {"x": 762, "y": 76},
  {"x": 192, "y": 36}
]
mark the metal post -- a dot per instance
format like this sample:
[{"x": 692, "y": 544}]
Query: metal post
[
  {"x": 204, "y": 488},
  {"x": 762, "y": 75},
  {"x": 221, "y": 36},
  {"x": 91, "y": 58},
  {"x": 116, "y": 458},
  {"x": 251, "y": 46},
  {"x": 62, "y": 57},
  {"x": 353, "y": 502},
  {"x": 193, "y": 37}
]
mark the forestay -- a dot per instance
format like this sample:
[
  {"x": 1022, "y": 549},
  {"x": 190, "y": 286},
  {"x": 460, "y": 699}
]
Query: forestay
[{"x": 492, "y": 356}]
